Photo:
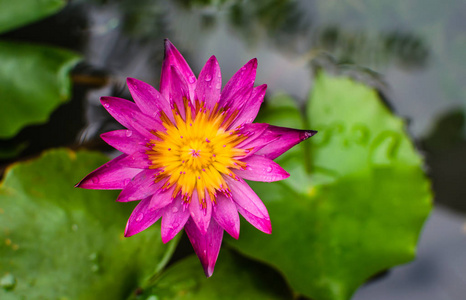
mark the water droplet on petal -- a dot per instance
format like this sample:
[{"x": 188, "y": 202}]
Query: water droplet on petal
[
  {"x": 175, "y": 210},
  {"x": 208, "y": 77},
  {"x": 139, "y": 217},
  {"x": 8, "y": 281},
  {"x": 192, "y": 79},
  {"x": 129, "y": 133},
  {"x": 176, "y": 225},
  {"x": 269, "y": 169},
  {"x": 106, "y": 105},
  {"x": 218, "y": 86},
  {"x": 95, "y": 180}
]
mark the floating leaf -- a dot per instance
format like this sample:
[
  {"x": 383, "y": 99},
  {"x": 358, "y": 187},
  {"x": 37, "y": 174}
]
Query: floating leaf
[
  {"x": 60, "y": 242},
  {"x": 33, "y": 82},
  {"x": 361, "y": 207},
  {"x": 235, "y": 278},
  {"x": 21, "y": 12}
]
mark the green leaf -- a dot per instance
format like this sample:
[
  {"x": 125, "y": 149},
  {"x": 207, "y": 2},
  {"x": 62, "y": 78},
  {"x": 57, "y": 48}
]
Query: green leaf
[
  {"x": 61, "y": 242},
  {"x": 234, "y": 278},
  {"x": 361, "y": 207},
  {"x": 21, "y": 12},
  {"x": 33, "y": 82}
]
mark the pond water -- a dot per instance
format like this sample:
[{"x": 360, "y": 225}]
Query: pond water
[{"x": 413, "y": 52}]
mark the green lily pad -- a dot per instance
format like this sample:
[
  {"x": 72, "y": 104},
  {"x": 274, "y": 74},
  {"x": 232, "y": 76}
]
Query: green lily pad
[
  {"x": 21, "y": 12},
  {"x": 359, "y": 209},
  {"x": 234, "y": 278},
  {"x": 60, "y": 242},
  {"x": 33, "y": 82}
]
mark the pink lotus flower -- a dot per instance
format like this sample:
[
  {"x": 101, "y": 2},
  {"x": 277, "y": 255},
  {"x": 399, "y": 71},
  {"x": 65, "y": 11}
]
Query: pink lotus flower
[{"x": 186, "y": 151}]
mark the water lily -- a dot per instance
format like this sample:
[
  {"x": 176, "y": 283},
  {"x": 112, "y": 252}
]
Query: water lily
[{"x": 186, "y": 151}]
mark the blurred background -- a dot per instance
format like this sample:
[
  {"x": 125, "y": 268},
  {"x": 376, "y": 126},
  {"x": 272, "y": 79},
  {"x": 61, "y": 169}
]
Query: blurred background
[{"x": 412, "y": 52}]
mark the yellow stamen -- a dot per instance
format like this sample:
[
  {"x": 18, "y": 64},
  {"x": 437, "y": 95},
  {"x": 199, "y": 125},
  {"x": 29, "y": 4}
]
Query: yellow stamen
[{"x": 196, "y": 152}]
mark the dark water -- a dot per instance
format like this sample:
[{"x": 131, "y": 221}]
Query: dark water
[{"x": 414, "y": 52}]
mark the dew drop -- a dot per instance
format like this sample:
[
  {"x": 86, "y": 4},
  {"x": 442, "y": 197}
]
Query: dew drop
[
  {"x": 95, "y": 180},
  {"x": 175, "y": 210},
  {"x": 208, "y": 77},
  {"x": 8, "y": 281},
  {"x": 139, "y": 217},
  {"x": 93, "y": 256},
  {"x": 95, "y": 268},
  {"x": 192, "y": 79},
  {"x": 384, "y": 149},
  {"x": 175, "y": 225},
  {"x": 361, "y": 134},
  {"x": 218, "y": 86},
  {"x": 269, "y": 169},
  {"x": 129, "y": 133},
  {"x": 106, "y": 105}
]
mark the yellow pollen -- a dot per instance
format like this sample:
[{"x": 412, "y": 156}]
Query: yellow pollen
[{"x": 195, "y": 153}]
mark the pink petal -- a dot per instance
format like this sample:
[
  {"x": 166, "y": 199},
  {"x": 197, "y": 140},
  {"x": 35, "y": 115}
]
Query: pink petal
[
  {"x": 209, "y": 83},
  {"x": 206, "y": 246},
  {"x": 178, "y": 91},
  {"x": 162, "y": 198},
  {"x": 141, "y": 218},
  {"x": 138, "y": 160},
  {"x": 110, "y": 176},
  {"x": 174, "y": 58},
  {"x": 238, "y": 89},
  {"x": 245, "y": 198},
  {"x": 226, "y": 215},
  {"x": 250, "y": 109},
  {"x": 257, "y": 137},
  {"x": 148, "y": 99},
  {"x": 141, "y": 187},
  {"x": 260, "y": 168},
  {"x": 125, "y": 141},
  {"x": 263, "y": 224},
  {"x": 287, "y": 138},
  {"x": 200, "y": 216},
  {"x": 174, "y": 218},
  {"x": 128, "y": 114}
]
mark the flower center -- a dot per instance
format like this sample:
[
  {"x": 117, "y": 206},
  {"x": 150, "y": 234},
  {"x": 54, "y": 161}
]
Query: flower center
[{"x": 195, "y": 152}]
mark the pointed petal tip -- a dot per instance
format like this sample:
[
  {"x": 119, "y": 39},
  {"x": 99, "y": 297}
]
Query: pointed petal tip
[
  {"x": 127, "y": 231},
  {"x": 308, "y": 133},
  {"x": 168, "y": 46},
  {"x": 166, "y": 238},
  {"x": 130, "y": 81},
  {"x": 104, "y": 99},
  {"x": 208, "y": 271}
]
